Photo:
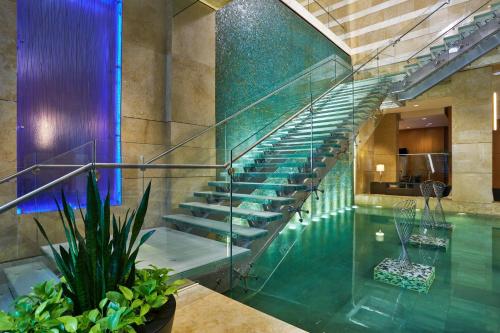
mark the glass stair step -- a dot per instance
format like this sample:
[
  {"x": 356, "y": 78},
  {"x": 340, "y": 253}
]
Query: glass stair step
[
  {"x": 282, "y": 175},
  {"x": 262, "y": 186},
  {"x": 307, "y": 146},
  {"x": 467, "y": 29},
  {"x": 217, "y": 227},
  {"x": 307, "y": 138},
  {"x": 315, "y": 130},
  {"x": 302, "y": 144},
  {"x": 411, "y": 68},
  {"x": 287, "y": 155},
  {"x": 244, "y": 213},
  {"x": 22, "y": 278},
  {"x": 301, "y": 149},
  {"x": 482, "y": 19},
  {"x": 437, "y": 50},
  {"x": 282, "y": 164},
  {"x": 260, "y": 199},
  {"x": 451, "y": 40},
  {"x": 316, "y": 124}
]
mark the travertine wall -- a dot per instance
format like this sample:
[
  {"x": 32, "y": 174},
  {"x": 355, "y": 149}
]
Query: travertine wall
[
  {"x": 470, "y": 94},
  {"x": 8, "y": 106},
  {"x": 168, "y": 94},
  {"x": 472, "y": 135}
]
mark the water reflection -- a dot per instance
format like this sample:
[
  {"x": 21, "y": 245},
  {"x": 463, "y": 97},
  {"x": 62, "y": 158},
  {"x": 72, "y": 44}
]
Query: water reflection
[{"x": 325, "y": 283}]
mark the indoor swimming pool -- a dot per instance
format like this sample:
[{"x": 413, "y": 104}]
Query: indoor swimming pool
[{"x": 324, "y": 282}]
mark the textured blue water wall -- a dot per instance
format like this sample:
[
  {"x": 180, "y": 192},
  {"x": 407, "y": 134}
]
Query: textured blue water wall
[
  {"x": 69, "y": 73},
  {"x": 262, "y": 45}
]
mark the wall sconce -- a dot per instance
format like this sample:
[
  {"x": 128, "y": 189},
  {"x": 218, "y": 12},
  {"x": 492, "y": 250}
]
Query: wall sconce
[
  {"x": 380, "y": 168},
  {"x": 495, "y": 111}
]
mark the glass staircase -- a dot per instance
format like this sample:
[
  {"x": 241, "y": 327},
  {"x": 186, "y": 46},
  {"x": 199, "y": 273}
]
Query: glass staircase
[
  {"x": 268, "y": 185},
  {"x": 230, "y": 201},
  {"x": 471, "y": 37}
]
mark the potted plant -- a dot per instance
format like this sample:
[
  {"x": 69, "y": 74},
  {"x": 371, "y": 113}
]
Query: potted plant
[{"x": 100, "y": 289}]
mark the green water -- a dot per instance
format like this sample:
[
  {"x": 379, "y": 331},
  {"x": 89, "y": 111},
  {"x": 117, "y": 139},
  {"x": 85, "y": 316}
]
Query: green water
[{"x": 324, "y": 283}]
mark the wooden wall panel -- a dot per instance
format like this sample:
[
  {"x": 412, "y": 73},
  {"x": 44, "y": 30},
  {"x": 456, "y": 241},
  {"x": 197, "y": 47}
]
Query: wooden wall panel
[{"x": 423, "y": 140}]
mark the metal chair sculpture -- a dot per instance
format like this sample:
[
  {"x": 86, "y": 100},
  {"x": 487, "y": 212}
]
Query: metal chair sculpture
[
  {"x": 439, "y": 218},
  {"x": 427, "y": 222},
  {"x": 404, "y": 219}
]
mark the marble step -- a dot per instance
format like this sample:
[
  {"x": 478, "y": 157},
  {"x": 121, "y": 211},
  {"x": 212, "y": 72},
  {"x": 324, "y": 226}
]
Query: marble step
[
  {"x": 262, "y": 186},
  {"x": 21, "y": 278},
  {"x": 217, "y": 227},
  {"x": 260, "y": 199},
  {"x": 280, "y": 164},
  {"x": 292, "y": 176},
  {"x": 244, "y": 213},
  {"x": 289, "y": 154}
]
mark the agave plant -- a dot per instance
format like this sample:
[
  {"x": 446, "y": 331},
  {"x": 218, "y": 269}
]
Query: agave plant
[{"x": 98, "y": 261}]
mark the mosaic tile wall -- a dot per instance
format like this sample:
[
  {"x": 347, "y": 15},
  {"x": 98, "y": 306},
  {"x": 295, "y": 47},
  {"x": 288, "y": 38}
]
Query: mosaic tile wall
[{"x": 262, "y": 45}]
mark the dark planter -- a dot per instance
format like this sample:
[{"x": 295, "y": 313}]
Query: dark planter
[{"x": 164, "y": 318}]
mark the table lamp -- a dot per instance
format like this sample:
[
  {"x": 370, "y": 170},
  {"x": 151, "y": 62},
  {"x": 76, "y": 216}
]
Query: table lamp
[{"x": 380, "y": 169}]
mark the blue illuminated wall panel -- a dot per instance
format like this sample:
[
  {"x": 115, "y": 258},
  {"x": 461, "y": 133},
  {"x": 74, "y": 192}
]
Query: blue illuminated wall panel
[{"x": 69, "y": 72}]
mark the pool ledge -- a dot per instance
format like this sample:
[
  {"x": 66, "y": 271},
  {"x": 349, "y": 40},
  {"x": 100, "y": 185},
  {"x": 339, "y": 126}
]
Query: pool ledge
[{"x": 200, "y": 309}]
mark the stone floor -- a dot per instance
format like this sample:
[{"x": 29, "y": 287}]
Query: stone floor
[{"x": 200, "y": 309}]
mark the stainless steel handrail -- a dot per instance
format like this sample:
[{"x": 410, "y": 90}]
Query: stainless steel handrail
[
  {"x": 312, "y": 68},
  {"x": 80, "y": 168},
  {"x": 17, "y": 201},
  {"x": 457, "y": 22},
  {"x": 392, "y": 43},
  {"x": 148, "y": 164}
]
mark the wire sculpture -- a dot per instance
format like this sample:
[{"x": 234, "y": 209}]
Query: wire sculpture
[
  {"x": 439, "y": 189},
  {"x": 427, "y": 222},
  {"x": 404, "y": 219}
]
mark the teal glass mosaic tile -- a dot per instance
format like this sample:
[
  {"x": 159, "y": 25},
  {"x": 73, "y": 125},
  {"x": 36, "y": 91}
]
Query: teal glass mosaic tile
[{"x": 260, "y": 46}]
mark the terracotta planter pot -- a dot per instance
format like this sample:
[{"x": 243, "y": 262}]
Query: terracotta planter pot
[{"x": 163, "y": 321}]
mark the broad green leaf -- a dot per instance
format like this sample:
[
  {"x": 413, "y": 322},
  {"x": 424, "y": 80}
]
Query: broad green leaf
[
  {"x": 144, "y": 309},
  {"x": 126, "y": 292},
  {"x": 6, "y": 321},
  {"x": 70, "y": 323},
  {"x": 93, "y": 315}
]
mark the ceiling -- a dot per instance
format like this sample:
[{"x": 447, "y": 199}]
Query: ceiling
[{"x": 423, "y": 119}]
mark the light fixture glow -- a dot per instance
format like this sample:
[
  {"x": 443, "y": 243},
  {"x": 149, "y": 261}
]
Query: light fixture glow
[
  {"x": 495, "y": 111},
  {"x": 379, "y": 236},
  {"x": 355, "y": 206},
  {"x": 378, "y": 206},
  {"x": 431, "y": 164},
  {"x": 415, "y": 105},
  {"x": 461, "y": 213},
  {"x": 424, "y": 118}
]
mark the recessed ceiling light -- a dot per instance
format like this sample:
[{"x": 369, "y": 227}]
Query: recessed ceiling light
[
  {"x": 424, "y": 118},
  {"x": 415, "y": 105},
  {"x": 408, "y": 127},
  {"x": 428, "y": 124}
]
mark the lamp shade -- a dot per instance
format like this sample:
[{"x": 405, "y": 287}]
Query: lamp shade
[{"x": 380, "y": 168}]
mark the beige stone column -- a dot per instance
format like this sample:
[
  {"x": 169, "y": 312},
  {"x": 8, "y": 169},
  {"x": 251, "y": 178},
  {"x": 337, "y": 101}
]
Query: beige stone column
[
  {"x": 472, "y": 136},
  {"x": 385, "y": 147}
]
